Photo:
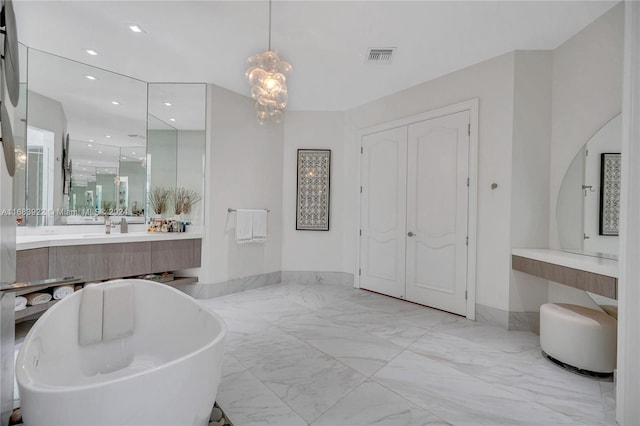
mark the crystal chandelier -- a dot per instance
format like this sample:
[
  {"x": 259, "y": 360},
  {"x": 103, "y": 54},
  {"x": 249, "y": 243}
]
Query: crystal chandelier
[{"x": 267, "y": 74}]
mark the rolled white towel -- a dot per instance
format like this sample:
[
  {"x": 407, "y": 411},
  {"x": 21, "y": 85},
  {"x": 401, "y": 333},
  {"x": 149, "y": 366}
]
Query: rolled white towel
[
  {"x": 62, "y": 291},
  {"x": 38, "y": 298},
  {"x": 21, "y": 303}
]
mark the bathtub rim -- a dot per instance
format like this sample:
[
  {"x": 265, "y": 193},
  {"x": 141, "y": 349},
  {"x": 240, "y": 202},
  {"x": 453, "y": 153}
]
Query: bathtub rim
[{"x": 19, "y": 372}]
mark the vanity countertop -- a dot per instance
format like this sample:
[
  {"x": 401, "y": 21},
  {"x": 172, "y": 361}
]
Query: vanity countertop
[
  {"x": 25, "y": 242},
  {"x": 596, "y": 265}
]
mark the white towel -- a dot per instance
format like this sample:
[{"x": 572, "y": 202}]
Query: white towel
[
  {"x": 38, "y": 298},
  {"x": 244, "y": 226},
  {"x": 118, "y": 311},
  {"x": 259, "y": 226},
  {"x": 21, "y": 303},
  {"x": 62, "y": 291},
  {"x": 90, "y": 317}
]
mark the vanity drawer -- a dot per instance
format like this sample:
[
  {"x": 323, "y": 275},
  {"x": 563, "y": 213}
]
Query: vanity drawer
[
  {"x": 100, "y": 261},
  {"x": 174, "y": 255},
  {"x": 32, "y": 265}
]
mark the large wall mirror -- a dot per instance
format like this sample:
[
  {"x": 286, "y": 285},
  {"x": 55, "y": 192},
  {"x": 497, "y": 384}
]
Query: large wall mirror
[
  {"x": 176, "y": 146},
  {"x": 92, "y": 143},
  {"x": 589, "y": 199}
]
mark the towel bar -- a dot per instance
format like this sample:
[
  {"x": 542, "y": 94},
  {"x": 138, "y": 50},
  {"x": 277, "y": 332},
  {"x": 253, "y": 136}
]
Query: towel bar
[{"x": 234, "y": 210}]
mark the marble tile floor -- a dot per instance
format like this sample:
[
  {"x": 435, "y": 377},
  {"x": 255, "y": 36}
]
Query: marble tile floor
[{"x": 323, "y": 354}]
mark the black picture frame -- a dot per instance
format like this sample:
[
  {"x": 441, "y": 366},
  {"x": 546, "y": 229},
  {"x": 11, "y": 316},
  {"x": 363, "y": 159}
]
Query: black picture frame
[
  {"x": 313, "y": 190},
  {"x": 610, "y": 177}
]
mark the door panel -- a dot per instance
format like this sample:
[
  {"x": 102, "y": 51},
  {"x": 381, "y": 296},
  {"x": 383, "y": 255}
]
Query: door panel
[
  {"x": 437, "y": 204},
  {"x": 383, "y": 216}
]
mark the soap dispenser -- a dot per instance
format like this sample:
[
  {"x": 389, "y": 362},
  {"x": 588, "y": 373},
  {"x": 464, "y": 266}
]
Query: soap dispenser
[
  {"x": 107, "y": 225},
  {"x": 124, "y": 226}
]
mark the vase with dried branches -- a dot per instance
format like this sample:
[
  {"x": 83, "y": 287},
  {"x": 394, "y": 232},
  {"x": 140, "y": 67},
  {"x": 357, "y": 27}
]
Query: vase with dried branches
[
  {"x": 159, "y": 198},
  {"x": 183, "y": 200}
]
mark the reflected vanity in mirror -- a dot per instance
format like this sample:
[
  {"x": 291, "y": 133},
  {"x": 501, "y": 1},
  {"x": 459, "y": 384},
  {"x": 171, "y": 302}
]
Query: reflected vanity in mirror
[
  {"x": 588, "y": 202},
  {"x": 124, "y": 137}
]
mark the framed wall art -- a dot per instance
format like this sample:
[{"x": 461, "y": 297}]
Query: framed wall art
[
  {"x": 313, "y": 190},
  {"x": 610, "y": 165}
]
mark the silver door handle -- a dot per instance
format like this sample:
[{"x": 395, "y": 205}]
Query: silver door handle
[{"x": 411, "y": 234}]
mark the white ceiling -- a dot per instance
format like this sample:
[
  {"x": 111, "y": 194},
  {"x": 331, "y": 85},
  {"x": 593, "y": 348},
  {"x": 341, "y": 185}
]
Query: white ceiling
[{"x": 325, "y": 41}]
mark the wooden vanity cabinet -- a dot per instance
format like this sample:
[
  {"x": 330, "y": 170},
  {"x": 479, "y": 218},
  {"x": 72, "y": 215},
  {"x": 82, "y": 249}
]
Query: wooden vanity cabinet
[{"x": 95, "y": 262}]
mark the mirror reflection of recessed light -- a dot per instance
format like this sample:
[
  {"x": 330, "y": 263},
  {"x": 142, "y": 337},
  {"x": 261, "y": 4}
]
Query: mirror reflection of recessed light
[
  {"x": 90, "y": 77},
  {"x": 136, "y": 28},
  {"x": 167, "y": 103},
  {"x": 172, "y": 119},
  {"x": 92, "y": 52},
  {"x": 89, "y": 145},
  {"x": 107, "y": 136},
  {"x": 99, "y": 152},
  {"x": 91, "y": 140},
  {"x": 88, "y": 162},
  {"x": 124, "y": 158},
  {"x": 84, "y": 168},
  {"x": 140, "y": 158},
  {"x": 115, "y": 102}
]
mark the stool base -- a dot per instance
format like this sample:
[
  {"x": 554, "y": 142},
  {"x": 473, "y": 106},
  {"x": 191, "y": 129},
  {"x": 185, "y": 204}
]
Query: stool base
[{"x": 605, "y": 377}]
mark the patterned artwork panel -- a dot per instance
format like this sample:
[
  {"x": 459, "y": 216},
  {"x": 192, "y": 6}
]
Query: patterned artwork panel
[
  {"x": 314, "y": 175},
  {"x": 610, "y": 193}
]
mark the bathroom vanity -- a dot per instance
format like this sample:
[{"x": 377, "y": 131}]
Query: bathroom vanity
[
  {"x": 98, "y": 257},
  {"x": 593, "y": 274}
]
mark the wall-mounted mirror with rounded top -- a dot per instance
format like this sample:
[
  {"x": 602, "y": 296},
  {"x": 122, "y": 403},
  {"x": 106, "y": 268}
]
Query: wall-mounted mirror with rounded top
[
  {"x": 584, "y": 204},
  {"x": 11, "y": 51},
  {"x": 7, "y": 141}
]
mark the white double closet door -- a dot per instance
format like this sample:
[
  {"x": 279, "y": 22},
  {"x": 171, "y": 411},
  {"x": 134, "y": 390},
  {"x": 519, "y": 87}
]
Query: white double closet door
[{"x": 414, "y": 212}]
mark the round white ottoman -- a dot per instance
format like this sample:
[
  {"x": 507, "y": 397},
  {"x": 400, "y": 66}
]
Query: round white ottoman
[{"x": 579, "y": 336}]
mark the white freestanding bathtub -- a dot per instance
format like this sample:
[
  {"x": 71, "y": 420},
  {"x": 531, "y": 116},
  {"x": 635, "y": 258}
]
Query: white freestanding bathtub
[{"x": 166, "y": 373}]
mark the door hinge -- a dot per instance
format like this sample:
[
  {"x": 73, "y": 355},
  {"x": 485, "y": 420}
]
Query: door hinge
[
  {"x": 361, "y": 232},
  {"x": 465, "y": 295},
  {"x": 359, "y": 271},
  {"x": 361, "y": 150},
  {"x": 467, "y": 182},
  {"x": 467, "y": 240},
  {"x": 469, "y": 129},
  {"x": 361, "y": 189}
]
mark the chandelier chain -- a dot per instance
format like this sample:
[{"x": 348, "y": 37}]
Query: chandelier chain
[{"x": 269, "y": 25}]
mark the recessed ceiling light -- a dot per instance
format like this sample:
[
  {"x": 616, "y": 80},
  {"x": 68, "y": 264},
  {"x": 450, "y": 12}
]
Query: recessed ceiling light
[
  {"x": 115, "y": 102},
  {"x": 124, "y": 158},
  {"x": 133, "y": 153},
  {"x": 89, "y": 144},
  {"x": 136, "y": 28},
  {"x": 141, "y": 158},
  {"x": 92, "y": 52},
  {"x": 107, "y": 136},
  {"x": 167, "y": 103},
  {"x": 172, "y": 119},
  {"x": 88, "y": 162},
  {"x": 99, "y": 152},
  {"x": 91, "y": 140},
  {"x": 90, "y": 77}
]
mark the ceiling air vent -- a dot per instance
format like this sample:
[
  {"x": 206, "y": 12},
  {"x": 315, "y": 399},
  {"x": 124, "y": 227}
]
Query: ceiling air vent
[{"x": 380, "y": 55}]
